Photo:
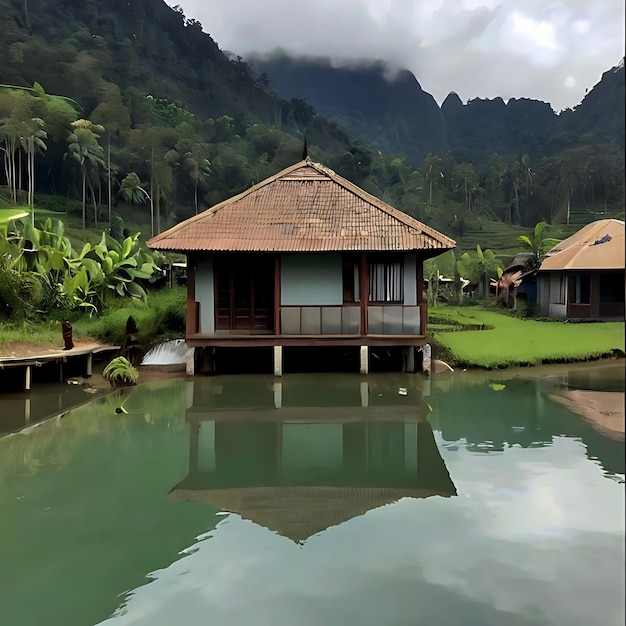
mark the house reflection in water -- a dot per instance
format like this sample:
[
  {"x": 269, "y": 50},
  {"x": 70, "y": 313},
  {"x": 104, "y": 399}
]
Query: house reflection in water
[{"x": 297, "y": 468}]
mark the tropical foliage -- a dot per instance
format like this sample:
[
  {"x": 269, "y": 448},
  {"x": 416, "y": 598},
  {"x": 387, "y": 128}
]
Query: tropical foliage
[
  {"x": 538, "y": 244},
  {"x": 42, "y": 272},
  {"x": 120, "y": 371}
]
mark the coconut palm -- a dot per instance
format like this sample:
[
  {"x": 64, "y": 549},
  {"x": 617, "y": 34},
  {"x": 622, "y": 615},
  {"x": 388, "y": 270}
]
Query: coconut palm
[
  {"x": 198, "y": 167},
  {"x": 539, "y": 245},
  {"x": 10, "y": 127},
  {"x": 84, "y": 149},
  {"x": 32, "y": 141}
]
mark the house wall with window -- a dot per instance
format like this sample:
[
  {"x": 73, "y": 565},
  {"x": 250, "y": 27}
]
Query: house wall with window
[
  {"x": 319, "y": 293},
  {"x": 581, "y": 294},
  {"x": 552, "y": 295}
]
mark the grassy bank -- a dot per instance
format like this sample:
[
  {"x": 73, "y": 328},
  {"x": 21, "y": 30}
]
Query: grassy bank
[
  {"x": 162, "y": 317},
  {"x": 506, "y": 341}
]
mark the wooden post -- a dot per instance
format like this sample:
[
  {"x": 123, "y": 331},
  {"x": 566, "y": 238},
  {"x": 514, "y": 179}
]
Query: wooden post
[
  {"x": 277, "y": 329},
  {"x": 364, "y": 289}
]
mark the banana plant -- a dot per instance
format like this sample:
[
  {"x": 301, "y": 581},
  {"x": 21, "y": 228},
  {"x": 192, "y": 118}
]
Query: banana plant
[{"x": 122, "y": 265}]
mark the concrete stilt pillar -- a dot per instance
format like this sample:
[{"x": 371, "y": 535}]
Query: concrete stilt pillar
[
  {"x": 190, "y": 363},
  {"x": 364, "y": 360},
  {"x": 27, "y": 378},
  {"x": 278, "y": 395},
  {"x": 365, "y": 393},
  {"x": 89, "y": 365},
  {"x": 426, "y": 359},
  {"x": 278, "y": 360}
]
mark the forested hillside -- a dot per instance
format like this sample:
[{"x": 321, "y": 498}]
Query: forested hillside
[{"x": 127, "y": 107}]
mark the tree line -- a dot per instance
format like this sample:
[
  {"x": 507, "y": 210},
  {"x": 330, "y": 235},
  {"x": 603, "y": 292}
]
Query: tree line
[{"x": 156, "y": 155}]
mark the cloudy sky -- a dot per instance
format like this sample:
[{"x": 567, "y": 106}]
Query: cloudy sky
[{"x": 551, "y": 51}]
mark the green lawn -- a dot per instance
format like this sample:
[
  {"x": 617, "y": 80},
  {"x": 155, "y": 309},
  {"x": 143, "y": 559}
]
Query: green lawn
[{"x": 509, "y": 342}]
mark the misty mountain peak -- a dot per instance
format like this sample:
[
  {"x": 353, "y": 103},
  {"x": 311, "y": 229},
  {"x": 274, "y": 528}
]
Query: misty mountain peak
[{"x": 452, "y": 102}]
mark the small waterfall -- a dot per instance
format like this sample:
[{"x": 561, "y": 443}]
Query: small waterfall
[{"x": 168, "y": 353}]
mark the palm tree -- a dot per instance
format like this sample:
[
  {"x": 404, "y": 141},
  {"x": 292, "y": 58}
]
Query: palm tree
[
  {"x": 10, "y": 138},
  {"x": 32, "y": 141},
  {"x": 132, "y": 192},
  {"x": 83, "y": 147},
  {"x": 199, "y": 168},
  {"x": 432, "y": 173},
  {"x": 539, "y": 245}
]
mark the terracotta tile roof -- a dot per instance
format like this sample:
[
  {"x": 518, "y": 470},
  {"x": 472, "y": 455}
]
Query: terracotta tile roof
[
  {"x": 597, "y": 246},
  {"x": 304, "y": 208}
]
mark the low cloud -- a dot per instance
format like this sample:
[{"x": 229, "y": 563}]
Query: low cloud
[{"x": 551, "y": 51}]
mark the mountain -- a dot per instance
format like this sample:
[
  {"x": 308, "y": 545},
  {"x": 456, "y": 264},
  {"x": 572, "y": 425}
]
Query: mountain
[
  {"x": 601, "y": 113},
  {"x": 484, "y": 126},
  {"x": 388, "y": 108},
  {"x": 168, "y": 99},
  {"x": 391, "y": 111},
  {"x": 80, "y": 47}
]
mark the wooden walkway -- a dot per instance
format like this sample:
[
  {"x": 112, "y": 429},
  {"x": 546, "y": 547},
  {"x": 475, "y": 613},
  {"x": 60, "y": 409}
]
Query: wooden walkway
[{"x": 85, "y": 352}]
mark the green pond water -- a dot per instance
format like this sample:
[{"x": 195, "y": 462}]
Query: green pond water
[{"x": 467, "y": 499}]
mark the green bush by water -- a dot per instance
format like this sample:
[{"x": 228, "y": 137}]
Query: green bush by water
[{"x": 162, "y": 317}]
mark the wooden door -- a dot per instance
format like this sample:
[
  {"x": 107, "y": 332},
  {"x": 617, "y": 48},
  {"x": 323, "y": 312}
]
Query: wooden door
[{"x": 244, "y": 293}]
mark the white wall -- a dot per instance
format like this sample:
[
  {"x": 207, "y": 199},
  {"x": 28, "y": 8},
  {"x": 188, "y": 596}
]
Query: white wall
[
  {"x": 205, "y": 295},
  {"x": 310, "y": 279}
]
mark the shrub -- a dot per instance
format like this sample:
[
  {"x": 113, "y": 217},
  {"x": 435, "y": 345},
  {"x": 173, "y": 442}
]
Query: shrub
[{"x": 120, "y": 371}]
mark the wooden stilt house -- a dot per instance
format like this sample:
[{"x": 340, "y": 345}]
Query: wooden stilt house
[{"x": 305, "y": 258}]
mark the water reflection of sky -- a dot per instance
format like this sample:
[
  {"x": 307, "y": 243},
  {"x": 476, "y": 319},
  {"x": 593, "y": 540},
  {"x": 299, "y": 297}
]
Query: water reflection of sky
[
  {"x": 534, "y": 536},
  {"x": 546, "y": 549}
]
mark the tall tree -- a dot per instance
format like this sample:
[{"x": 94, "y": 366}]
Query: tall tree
[
  {"x": 84, "y": 149},
  {"x": 32, "y": 141},
  {"x": 431, "y": 168}
]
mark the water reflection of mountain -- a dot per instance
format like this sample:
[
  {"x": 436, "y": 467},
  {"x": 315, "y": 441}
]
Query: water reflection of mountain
[
  {"x": 298, "y": 457},
  {"x": 495, "y": 414}
]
